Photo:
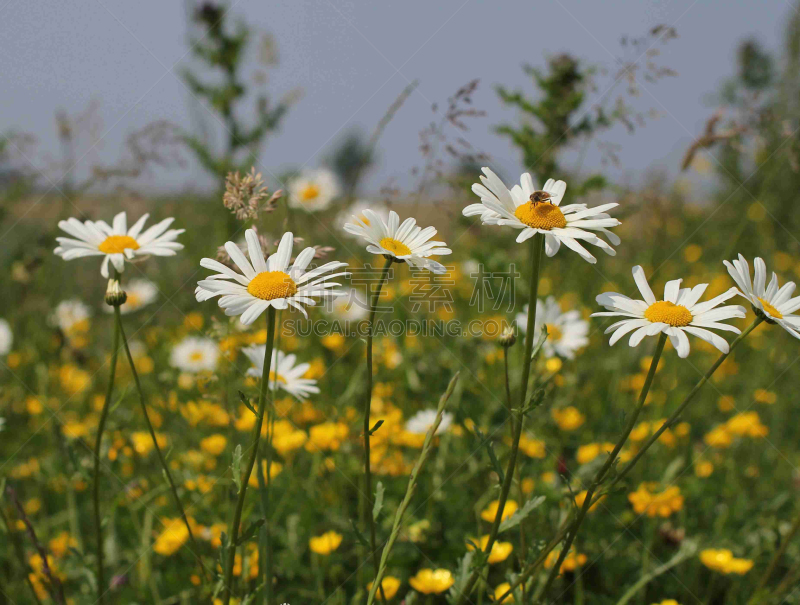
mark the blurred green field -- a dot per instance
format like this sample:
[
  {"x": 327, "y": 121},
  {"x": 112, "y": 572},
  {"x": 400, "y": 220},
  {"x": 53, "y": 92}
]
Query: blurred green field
[{"x": 724, "y": 479}]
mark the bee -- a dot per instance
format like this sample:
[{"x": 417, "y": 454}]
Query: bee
[{"x": 538, "y": 197}]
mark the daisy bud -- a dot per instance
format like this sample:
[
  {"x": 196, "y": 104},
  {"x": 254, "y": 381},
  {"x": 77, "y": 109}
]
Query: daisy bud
[
  {"x": 508, "y": 337},
  {"x": 115, "y": 295}
]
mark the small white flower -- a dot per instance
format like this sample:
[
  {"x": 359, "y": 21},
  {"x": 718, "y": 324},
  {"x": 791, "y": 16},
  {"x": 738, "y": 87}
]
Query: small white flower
[
  {"x": 772, "y": 302},
  {"x": 357, "y": 209},
  {"x": 677, "y": 314},
  {"x": 70, "y": 314},
  {"x": 116, "y": 242},
  {"x": 313, "y": 190},
  {"x": 283, "y": 374},
  {"x": 403, "y": 242},
  {"x": 141, "y": 292},
  {"x": 194, "y": 354},
  {"x": 566, "y": 332},
  {"x": 6, "y": 337},
  {"x": 566, "y": 225},
  {"x": 267, "y": 282},
  {"x": 423, "y": 420},
  {"x": 350, "y": 307}
]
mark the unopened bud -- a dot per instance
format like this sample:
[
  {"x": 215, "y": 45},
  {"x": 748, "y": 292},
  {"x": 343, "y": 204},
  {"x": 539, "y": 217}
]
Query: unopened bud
[
  {"x": 115, "y": 295},
  {"x": 508, "y": 337}
]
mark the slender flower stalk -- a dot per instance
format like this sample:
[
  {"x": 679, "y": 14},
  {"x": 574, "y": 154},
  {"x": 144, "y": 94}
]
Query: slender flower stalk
[
  {"x": 412, "y": 486},
  {"x": 774, "y": 562},
  {"x": 115, "y": 298},
  {"x": 262, "y": 405},
  {"x": 679, "y": 410},
  {"x": 536, "y": 246},
  {"x": 567, "y": 525},
  {"x": 161, "y": 459},
  {"x": 601, "y": 474},
  {"x": 366, "y": 496},
  {"x": 20, "y": 553}
]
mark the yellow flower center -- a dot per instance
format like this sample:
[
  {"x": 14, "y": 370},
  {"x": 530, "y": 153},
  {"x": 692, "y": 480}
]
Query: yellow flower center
[
  {"x": 395, "y": 247},
  {"x": 269, "y": 285},
  {"x": 541, "y": 215},
  {"x": 309, "y": 192},
  {"x": 669, "y": 313},
  {"x": 196, "y": 356},
  {"x": 770, "y": 309},
  {"x": 279, "y": 378},
  {"x": 554, "y": 332},
  {"x": 117, "y": 244}
]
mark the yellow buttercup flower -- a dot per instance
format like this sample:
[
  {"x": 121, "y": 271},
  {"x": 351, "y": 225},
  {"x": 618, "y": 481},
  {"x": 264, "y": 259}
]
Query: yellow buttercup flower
[
  {"x": 590, "y": 451},
  {"x": 502, "y": 589},
  {"x": 390, "y": 586},
  {"x": 499, "y": 552},
  {"x": 662, "y": 504},
  {"x": 432, "y": 581},
  {"x": 723, "y": 561},
  {"x": 214, "y": 445},
  {"x": 568, "y": 418},
  {"x": 668, "y": 602},
  {"x": 490, "y": 512},
  {"x": 571, "y": 562},
  {"x": 327, "y": 436},
  {"x": 274, "y": 469},
  {"x": 326, "y": 543},
  {"x": 173, "y": 536}
]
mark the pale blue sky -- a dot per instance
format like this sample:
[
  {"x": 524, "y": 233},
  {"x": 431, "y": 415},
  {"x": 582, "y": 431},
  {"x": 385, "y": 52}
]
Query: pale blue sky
[{"x": 352, "y": 58}]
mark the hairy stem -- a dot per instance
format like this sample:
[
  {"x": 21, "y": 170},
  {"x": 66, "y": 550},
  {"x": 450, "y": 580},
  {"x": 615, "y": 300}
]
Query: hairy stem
[
  {"x": 412, "y": 486},
  {"x": 366, "y": 497},
  {"x": 262, "y": 405},
  {"x": 536, "y": 249},
  {"x": 598, "y": 479},
  {"x": 164, "y": 467},
  {"x": 98, "y": 529}
]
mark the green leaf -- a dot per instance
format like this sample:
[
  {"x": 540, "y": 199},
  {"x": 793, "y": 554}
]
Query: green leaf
[
  {"x": 237, "y": 468},
  {"x": 250, "y": 533},
  {"x": 492, "y": 457},
  {"x": 520, "y": 515},
  {"x": 359, "y": 536},
  {"x": 375, "y": 427},
  {"x": 376, "y": 508},
  {"x": 247, "y": 403}
]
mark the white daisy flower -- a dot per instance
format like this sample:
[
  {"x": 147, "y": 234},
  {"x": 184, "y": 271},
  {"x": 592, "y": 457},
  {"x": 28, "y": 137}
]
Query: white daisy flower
[
  {"x": 267, "y": 283},
  {"x": 357, "y": 209},
  {"x": 313, "y": 190},
  {"x": 773, "y": 303},
  {"x": 566, "y": 332},
  {"x": 116, "y": 242},
  {"x": 523, "y": 207},
  {"x": 676, "y": 315},
  {"x": 283, "y": 372},
  {"x": 6, "y": 337},
  {"x": 352, "y": 306},
  {"x": 402, "y": 242},
  {"x": 423, "y": 420},
  {"x": 70, "y": 315},
  {"x": 141, "y": 292},
  {"x": 194, "y": 354}
]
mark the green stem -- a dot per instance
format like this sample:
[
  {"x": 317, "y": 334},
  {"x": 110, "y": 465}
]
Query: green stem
[
  {"x": 161, "y": 459},
  {"x": 19, "y": 551},
  {"x": 775, "y": 559},
  {"x": 598, "y": 479},
  {"x": 98, "y": 529},
  {"x": 412, "y": 485},
  {"x": 262, "y": 404},
  {"x": 536, "y": 249},
  {"x": 676, "y": 414},
  {"x": 265, "y": 562},
  {"x": 366, "y": 497}
]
